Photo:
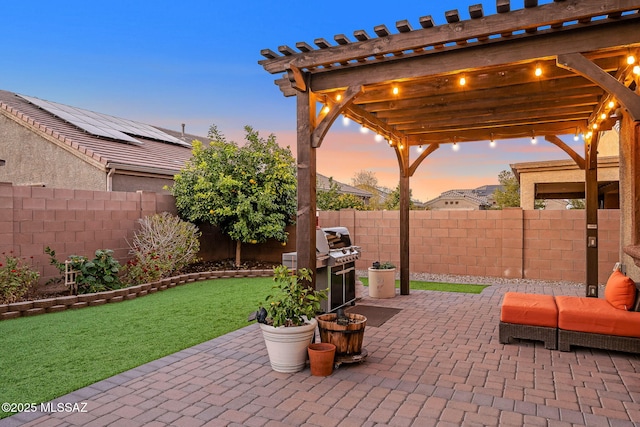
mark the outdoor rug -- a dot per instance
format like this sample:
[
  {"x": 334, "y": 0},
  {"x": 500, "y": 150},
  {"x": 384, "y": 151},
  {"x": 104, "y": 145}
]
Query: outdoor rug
[{"x": 376, "y": 316}]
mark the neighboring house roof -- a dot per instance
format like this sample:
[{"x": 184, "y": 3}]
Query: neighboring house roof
[
  {"x": 481, "y": 196},
  {"x": 324, "y": 184},
  {"x": 139, "y": 153}
]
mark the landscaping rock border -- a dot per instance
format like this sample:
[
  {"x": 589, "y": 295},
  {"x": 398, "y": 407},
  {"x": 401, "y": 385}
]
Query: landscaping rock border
[{"x": 57, "y": 304}]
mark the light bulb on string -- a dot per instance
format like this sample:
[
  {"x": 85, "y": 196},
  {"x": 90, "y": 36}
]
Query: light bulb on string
[
  {"x": 538, "y": 71},
  {"x": 378, "y": 138},
  {"x": 631, "y": 59},
  {"x": 419, "y": 148},
  {"x": 345, "y": 121},
  {"x": 395, "y": 90},
  {"x": 363, "y": 129},
  {"x": 455, "y": 146},
  {"x": 492, "y": 142}
]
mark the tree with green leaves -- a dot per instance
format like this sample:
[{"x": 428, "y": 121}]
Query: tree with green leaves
[
  {"x": 333, "y": 200},
  {"x": 577, "y": 204},
  {"x": 248, "y": 192},
  {"x": 367, "y": 181},
  {"x": 392, "y": 203},
  {"x": 509, "y": 194}
]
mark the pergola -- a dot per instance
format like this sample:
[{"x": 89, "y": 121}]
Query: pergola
[{"x": 563, "y": 68}]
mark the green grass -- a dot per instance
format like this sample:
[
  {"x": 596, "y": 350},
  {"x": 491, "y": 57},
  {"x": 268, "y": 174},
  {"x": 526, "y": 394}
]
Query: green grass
[
  {"x": 437, "y": 286},
  {"x": 44, "y": 357}
]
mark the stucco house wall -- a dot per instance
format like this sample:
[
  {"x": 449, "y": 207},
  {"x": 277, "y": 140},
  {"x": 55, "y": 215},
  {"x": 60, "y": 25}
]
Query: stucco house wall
[{"x": 31, "y": 159}]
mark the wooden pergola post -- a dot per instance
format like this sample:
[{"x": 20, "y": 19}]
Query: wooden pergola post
[
  {"x": 591, "y": 201},
  {"x": 404, "y": 219},
  {"x": 306, "y": 161}
]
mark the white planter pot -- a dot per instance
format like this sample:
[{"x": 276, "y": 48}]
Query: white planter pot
[
  {"x": 382, "y": 283},
  {"x": 287, "y": 346}
]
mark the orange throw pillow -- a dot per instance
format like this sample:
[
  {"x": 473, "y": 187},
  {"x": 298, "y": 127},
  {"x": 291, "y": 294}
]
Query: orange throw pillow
[{"x": 620, "y": 291}]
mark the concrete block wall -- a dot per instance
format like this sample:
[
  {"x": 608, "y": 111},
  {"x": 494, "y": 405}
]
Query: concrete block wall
[
  {"x": 71, "y": 222},
  {"x": 511, "y": 243}
]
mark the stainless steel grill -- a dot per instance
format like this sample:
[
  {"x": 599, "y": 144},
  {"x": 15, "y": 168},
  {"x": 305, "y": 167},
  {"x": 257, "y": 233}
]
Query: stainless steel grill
[
  {"x": 335, "y": 266},
  {"x": 339, "y": 274}
]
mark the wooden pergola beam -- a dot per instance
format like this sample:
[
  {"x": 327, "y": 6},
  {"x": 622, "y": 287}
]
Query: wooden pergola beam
[
  {"x": 581, "y": 65},
  {"x": 541, "y": 16},
  {"x": 327, "y": 120},
  {"x": 564, "y": 147},
  {"x": 486, "y": 55},
  {"x": 484, "y": 133},
  {"x": 430, "y": 149}
]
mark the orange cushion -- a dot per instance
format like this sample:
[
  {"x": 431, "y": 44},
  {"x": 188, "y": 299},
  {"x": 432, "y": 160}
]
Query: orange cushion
[
  {"x": 620, "y": 291},
  {"x": 597, "y": 316},
  {"x": 529, "y": 309}
]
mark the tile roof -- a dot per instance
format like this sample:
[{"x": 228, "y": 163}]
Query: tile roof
[
  {"x": 478, "y": 195},
  {"x": 323, "y": 184},
  {"x": 151, "y": 155}
]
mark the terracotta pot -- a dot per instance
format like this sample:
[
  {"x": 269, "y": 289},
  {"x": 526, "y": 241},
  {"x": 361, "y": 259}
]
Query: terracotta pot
[{"x": 321, "y": 358}]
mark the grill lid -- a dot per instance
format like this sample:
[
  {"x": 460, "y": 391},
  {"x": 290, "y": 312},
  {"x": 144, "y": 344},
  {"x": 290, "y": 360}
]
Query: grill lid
[{"x": 337, "y": 237}]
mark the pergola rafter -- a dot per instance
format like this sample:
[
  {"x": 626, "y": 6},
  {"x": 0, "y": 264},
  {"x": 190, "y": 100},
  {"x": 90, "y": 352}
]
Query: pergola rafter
[{"x": 407, "y": 86}]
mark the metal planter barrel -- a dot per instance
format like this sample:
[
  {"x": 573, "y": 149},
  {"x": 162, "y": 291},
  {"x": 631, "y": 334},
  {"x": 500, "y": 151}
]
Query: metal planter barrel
[{"x": 347, "y": 338}]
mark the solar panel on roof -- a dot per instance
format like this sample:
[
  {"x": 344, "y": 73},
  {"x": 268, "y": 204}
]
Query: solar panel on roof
[{"x": 99, "y": 124}]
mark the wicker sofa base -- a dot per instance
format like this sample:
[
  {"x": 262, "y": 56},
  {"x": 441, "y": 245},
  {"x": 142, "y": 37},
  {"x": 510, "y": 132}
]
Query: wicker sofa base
[
  {"x": 605, "y": 342},
  {"x": 508, "y": 331}
]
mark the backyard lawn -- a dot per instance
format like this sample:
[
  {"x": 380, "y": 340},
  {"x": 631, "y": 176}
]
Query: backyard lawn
[
  {"x": 44, "y": 357},
  {"x": 437, "y": 286}
]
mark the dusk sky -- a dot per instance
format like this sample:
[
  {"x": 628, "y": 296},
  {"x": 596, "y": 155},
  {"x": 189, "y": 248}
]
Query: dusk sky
[{"x": 196, "y": 62}]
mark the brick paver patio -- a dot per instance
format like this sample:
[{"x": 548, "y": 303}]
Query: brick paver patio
[{"x": 437, "y": 362}]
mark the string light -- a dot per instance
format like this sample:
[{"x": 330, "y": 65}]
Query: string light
[
  {"x": 631, "y": 59},
  {"x": 576, "y": 137},
  {"x": 611, "y": 104},
  {"x": 636, "y": 70},
  {"x": 538, "y": 71},
  {"x": 395, "y": 90},
  {"x": 401, "y": 146},
  {"x": 419, "y": 149},
  {"x": 594, "y": 126},
  {"x": 378, "y": 138},
  {"x": 345, "y": 121},
  {"x": 455, "y": 146},
  {"x": 463, "y": 81},
  {"x": 492, "y": 142},
  {"x": 603, "y": 116},
  {"x": 338, "y": 97},
  {"x": 326, "y": 109},
  {"x": 534, "y": 140},
  {"x": 364, "y": 130}
]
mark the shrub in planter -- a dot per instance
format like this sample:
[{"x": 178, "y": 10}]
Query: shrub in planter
[
  {"x": 15, "y": 279},
  {"x": 96, "y": 275},
  {"x": 164, "y": 243}
]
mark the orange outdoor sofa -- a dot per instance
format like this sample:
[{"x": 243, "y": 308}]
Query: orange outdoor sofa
[{"x": 609, "y": 323}]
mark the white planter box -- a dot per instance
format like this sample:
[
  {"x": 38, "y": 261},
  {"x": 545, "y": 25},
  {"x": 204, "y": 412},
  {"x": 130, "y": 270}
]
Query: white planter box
[{"x": 382, "y": 283}]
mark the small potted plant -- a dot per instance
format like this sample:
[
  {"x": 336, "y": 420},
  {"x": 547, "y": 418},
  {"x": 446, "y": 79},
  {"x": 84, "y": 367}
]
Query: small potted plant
[
  {"x": 287, "y": 318},
  {"x": 382, "y": 280}
]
